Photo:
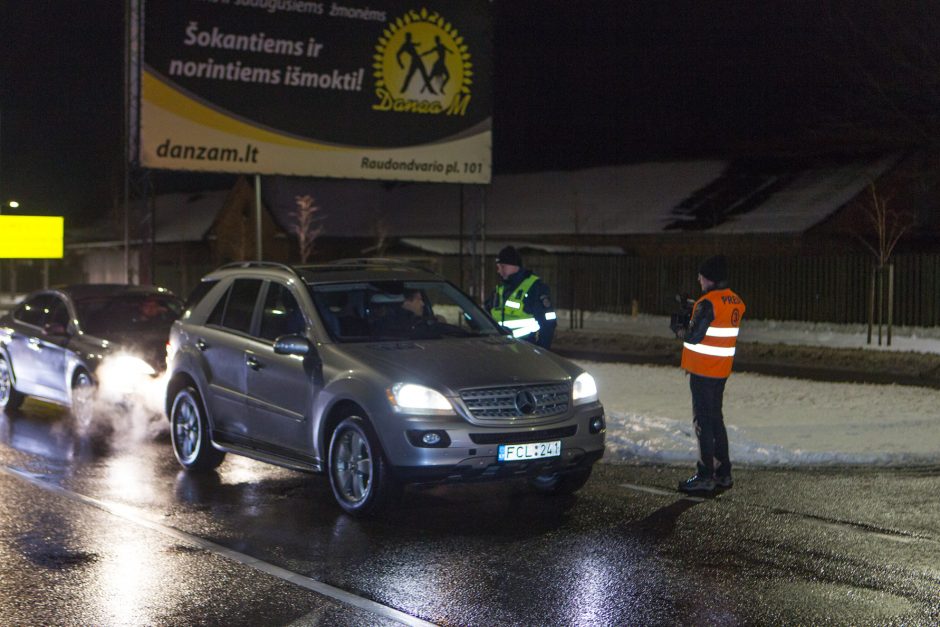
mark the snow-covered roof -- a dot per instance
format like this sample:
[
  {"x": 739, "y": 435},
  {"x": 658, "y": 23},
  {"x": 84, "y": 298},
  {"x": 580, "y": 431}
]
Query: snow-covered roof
[
  {"x": 180, "y": 217},
  {"x": 638, "y": 199},
  {"x": 186, "y": 217}
]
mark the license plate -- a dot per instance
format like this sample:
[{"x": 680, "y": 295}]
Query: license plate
[{"x": 534, "y": 450}]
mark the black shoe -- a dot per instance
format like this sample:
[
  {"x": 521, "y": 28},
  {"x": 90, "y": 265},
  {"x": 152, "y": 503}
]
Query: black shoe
[
  {"x": 696, "y": 484},
  {"x": 724, "y": 483}
]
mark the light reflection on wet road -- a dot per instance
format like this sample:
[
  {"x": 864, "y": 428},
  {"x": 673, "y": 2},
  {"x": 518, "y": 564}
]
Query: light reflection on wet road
[{"x": 801, "y": 546}]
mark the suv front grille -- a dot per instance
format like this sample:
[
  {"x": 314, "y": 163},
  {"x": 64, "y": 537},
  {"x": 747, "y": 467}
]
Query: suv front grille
[
  {"x": 518, "y": 401},
  {"x": 526, "y": 436}
]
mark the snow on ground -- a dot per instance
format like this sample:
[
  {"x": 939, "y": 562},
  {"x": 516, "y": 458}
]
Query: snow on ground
[{"x": 771, "y": 420}]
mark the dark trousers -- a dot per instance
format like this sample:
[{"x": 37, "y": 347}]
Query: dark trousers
[{"x": 707, "y": 395}]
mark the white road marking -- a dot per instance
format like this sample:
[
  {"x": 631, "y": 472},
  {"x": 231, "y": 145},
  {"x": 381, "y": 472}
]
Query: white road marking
[{"x": 133, "y": 515}]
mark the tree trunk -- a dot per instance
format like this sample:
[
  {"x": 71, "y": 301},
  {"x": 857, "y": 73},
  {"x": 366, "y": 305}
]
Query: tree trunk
[
  {"x": 890, "y": 303},
  {"x": 871, "y": 302}
]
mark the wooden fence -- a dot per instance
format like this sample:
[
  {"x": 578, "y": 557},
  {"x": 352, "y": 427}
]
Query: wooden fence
[{"x": 814, "y": 289}]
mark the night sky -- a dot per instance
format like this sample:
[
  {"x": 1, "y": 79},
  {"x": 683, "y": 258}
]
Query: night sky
[{"x": 576, "y": 84}]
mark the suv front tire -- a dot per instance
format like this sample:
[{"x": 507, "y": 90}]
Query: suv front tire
[
  {"x": 189, "y": 431},
  {"x": 360, "y": 477}
]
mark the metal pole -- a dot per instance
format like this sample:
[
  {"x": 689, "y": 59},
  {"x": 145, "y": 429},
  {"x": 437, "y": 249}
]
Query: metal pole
[
  {"x": 127, "y": 137},
  {"x": 460, "y": 243},
  {"x": 258, "y": 252},
  {"x": 482, "y": 245}
]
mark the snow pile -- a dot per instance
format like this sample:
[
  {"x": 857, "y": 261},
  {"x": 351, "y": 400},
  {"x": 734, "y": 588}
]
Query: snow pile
[{"x": 771, "y": 420}]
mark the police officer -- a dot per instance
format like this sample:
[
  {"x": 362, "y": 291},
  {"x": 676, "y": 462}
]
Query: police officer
[
  {"x": 707, "y": 355},
  {"x": 522, "y": 301}
]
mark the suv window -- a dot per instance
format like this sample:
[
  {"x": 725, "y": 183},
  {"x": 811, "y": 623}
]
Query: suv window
[
  {"x": 281, "y": 314},
  {"x": 33, "y": 310},
  {"x": 240, "y": 304}
]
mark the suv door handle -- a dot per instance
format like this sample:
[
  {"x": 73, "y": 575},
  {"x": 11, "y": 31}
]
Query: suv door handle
[
  {"x": 201, "y": 344},
  {"x": 252, "y": 362}
]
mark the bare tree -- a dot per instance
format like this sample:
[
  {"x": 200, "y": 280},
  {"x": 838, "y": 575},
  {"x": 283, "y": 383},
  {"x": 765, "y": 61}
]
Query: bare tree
[
  {"x": 887, "y": 226},
  {"x": 308, "y": 225},
  {"x": 885, "y": 74},
  {"x": 380, "y": 233}
]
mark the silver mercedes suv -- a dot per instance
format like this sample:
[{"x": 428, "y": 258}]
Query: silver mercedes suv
[{"x": 376, "y": 373}]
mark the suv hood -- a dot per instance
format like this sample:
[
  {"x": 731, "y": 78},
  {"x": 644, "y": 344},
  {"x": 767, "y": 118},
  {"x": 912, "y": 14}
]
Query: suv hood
[{"x": 454, "y": 364}]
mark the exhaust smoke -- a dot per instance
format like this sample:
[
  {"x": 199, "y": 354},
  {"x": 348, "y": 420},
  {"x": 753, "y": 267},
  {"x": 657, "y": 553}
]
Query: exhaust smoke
[{"x": 127, "y": 404}]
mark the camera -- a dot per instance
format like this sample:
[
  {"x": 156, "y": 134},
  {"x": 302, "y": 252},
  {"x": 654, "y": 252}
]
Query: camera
[{"x": 679, "y": 320}]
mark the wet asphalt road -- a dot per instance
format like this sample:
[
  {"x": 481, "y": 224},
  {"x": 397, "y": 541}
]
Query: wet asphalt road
[{"x": 98, "y": 531}]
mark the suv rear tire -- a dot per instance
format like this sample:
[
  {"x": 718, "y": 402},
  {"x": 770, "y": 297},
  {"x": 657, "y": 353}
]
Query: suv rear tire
[
  {"x": 189, "y": 431},
  {"x": 360, "y": 476},
  {"x": 82, "y": 400}
]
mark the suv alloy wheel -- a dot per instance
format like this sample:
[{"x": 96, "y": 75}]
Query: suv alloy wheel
[{"x": 359, "y": 475}]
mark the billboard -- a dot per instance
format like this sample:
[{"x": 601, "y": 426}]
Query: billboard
[
  {"x": 390, "y": 90},
  {"x": 31, "y": 237}
]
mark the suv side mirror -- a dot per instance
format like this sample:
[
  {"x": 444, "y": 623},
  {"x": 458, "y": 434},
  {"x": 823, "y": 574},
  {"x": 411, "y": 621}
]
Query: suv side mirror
[{"x": 293, "y": 345}]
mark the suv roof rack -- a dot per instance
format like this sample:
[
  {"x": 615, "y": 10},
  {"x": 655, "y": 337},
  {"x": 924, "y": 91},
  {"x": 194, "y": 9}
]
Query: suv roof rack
[
  {"x": 255, "y": 264},
  {"x": 260, "y": 264}
]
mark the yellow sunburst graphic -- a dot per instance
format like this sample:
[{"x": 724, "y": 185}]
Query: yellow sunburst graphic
[{"x": 422, "y": 65}]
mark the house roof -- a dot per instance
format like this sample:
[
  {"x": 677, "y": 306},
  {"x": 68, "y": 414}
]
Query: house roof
[
  {"x": 180, "y": 217},
  {"x": 757, "y": 196},
  {"x": 186, "y": 217},
  {"x": 712, "y": 197}
]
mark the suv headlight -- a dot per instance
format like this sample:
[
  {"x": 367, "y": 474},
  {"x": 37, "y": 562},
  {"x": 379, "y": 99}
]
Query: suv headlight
[
  {"x": 418, "y": 399},
  {"x": 585, "y": 389}
]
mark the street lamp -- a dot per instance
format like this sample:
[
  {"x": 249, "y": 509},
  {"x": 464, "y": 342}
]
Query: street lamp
[{"x": 13, "y": 204}]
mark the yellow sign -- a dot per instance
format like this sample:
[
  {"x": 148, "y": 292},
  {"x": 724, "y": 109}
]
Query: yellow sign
[
  {"x": 406, "y": 83},
  {"x": 31, "y": 237}
]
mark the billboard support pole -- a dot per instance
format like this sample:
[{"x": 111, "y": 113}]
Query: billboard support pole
[
  {"x": 483, "y": 246},
  {"x": 461, "y": 283},
  {"x": 258, "y": 217},
  {"x": 127, "y": 137}
]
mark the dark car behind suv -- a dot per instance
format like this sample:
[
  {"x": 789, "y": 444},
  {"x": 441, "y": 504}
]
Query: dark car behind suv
[
  {"x": 377, "y": 374},
  {"x": 53, "y": 342}
]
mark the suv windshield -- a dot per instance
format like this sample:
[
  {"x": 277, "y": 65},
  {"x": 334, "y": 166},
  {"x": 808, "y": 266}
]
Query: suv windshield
[
  {"x": 121, "y": 313},
  {"x": 398, "y": 310}
]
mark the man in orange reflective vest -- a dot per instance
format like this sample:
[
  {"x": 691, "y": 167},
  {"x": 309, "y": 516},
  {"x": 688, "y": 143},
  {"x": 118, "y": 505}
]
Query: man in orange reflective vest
[{"x": 707, "y": 354}]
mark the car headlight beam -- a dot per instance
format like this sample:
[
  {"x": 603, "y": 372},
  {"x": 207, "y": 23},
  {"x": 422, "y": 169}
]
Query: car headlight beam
[
  {"x": 132, "y": 365},
  {"x": 584, "y": 389},
  {"x": 414, "y": 398}
]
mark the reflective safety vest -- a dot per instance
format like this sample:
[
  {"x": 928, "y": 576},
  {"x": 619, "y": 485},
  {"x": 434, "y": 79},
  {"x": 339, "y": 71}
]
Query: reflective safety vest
[
  {"x": 712, "y": 357},
  {"x": 511, "y": 313}
]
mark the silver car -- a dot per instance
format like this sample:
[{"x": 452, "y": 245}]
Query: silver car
[
  {"x": 377, "y": 374},
  {"x": 54, "y": 343}
]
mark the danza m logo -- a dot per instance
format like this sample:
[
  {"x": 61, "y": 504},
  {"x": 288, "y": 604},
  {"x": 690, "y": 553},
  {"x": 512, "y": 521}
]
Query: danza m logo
[{"x": 422, "y": 65}]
